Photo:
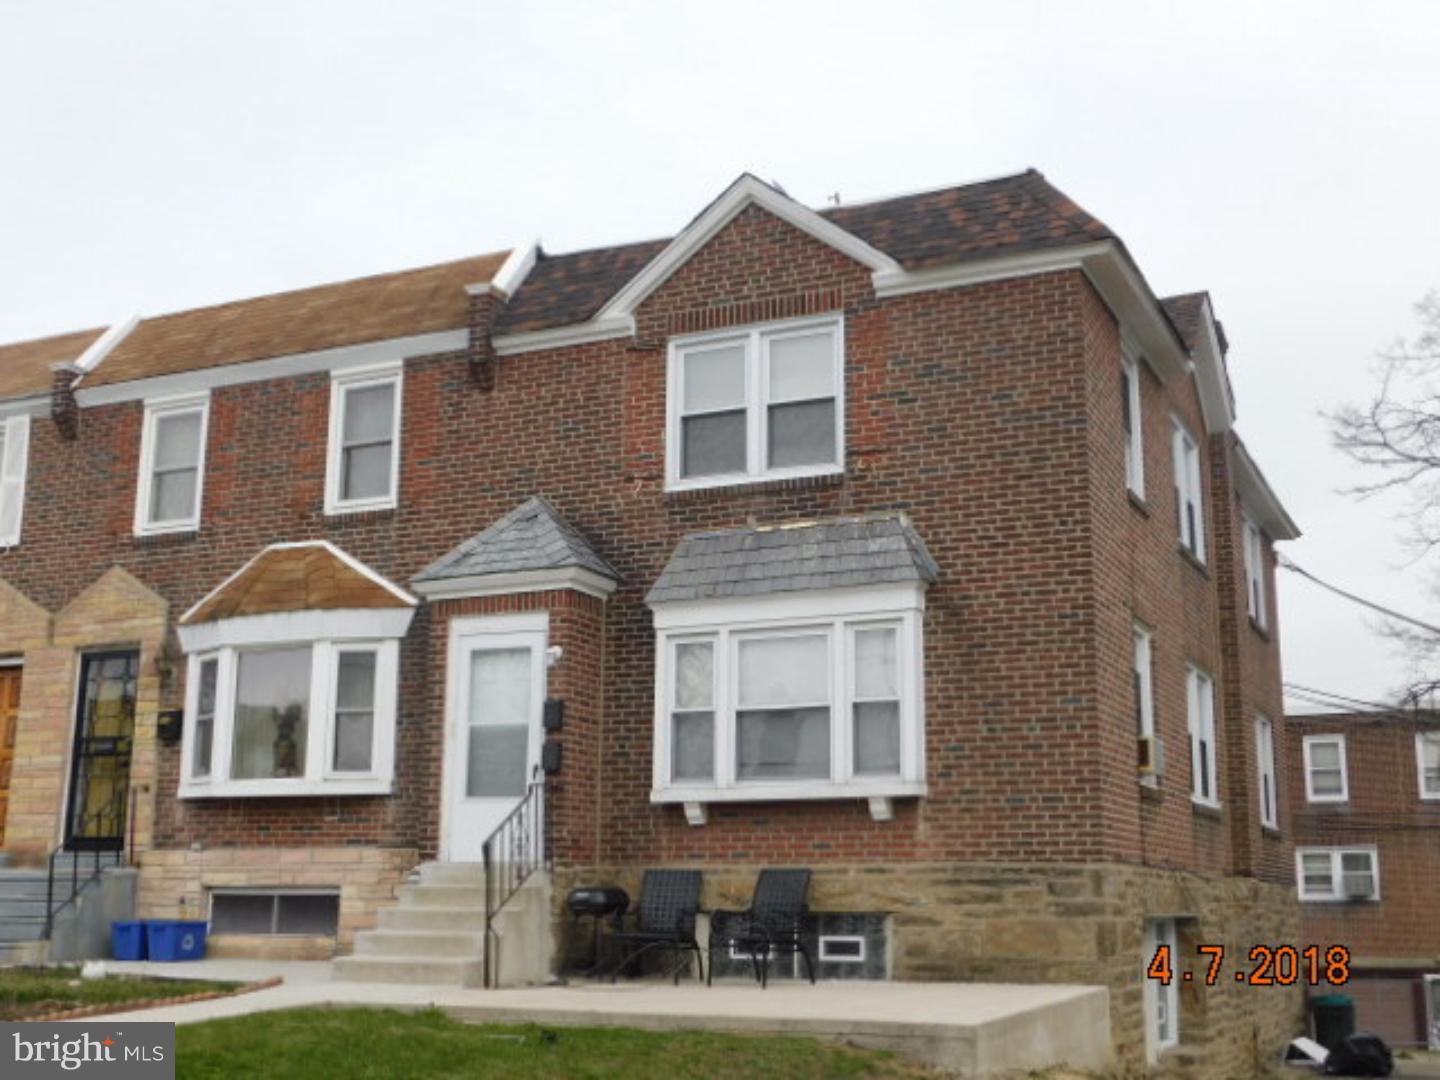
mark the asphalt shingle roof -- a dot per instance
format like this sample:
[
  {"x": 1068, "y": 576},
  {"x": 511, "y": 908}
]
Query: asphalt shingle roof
[
  {"x": 25, "y": 365},
  {"x": 790, "y": 558},
  {"x": 533, "y": 536},
  {"x": 1184, "y": 313}
]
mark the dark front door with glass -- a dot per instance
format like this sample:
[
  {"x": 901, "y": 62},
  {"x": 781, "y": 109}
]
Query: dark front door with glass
[{"x": 100, "y": 765}]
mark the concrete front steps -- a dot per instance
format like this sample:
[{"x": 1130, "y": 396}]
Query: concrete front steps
[{"x": 435, "y": 935}]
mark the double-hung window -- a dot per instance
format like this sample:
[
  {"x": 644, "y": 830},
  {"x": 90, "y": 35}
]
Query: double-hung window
[
  {"x": 1265, "y": 766},
  {"x": 291, "y": 718},
  {"x": 1325, "y": 772},
  {"x": 1143, "y": 695},
  {"x": 172, "y": 465},
  {"x": 1189, "y": 492},
  {"x": 775, "y": 702},
  {"x": 363, "y": 472},
  {"x": 1204, "y": 767},
  {"x": 1338, "y": 873},
  {"x": 14, "y": 458},
  {"x": 1427, "y": 760},
  {"x": 1254, "y": 543},
  {"x": 756, "y": 404},
  {"x": 1134, "y": 437}
]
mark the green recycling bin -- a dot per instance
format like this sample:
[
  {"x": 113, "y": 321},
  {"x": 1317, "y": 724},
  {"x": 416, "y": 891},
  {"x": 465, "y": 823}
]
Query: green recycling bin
[{"x": 1334, "y": 1019}]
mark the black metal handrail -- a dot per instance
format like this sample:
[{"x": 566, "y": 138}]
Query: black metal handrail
[
  {"x": 101, "y": 859},
  {"x": 516, "y": 848}
]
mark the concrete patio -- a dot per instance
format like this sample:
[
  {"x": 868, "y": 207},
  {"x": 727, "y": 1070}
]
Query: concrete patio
[{"x": 970, "y": 1029}]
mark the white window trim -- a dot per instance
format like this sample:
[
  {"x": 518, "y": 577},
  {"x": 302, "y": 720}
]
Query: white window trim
[
  {"x": 1189, "y": 486},
  {"x": 1256, "y": 601},
  {"x": 826, "y": 941},
  {"x": 1310, "y": 796},
  {"x": 155, "y": 410},
  {"x": 834, "y": 611},
  {"x": 319, "y": 778},
  {"x": 1265, "y": 769},
  {"x": 1135, "y": 442},
  {"x": 17, "y": 429},
  {"x": 1337, "y": 879},
  {"x": 1161, "y": 932},
  {"x": 1421, "y": 737},
  {"x": 1202, "y": 729},
  {"x": 340, "y": 384},
  {"x": 1143, "y": 664},
  {"x": 756, "y": 398}
]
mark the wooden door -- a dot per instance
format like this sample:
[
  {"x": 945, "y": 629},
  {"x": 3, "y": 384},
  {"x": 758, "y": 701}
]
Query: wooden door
[{"x": 9, "y": 720}]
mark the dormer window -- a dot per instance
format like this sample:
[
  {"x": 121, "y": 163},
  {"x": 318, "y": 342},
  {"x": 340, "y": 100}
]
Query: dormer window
[{"x": 757, "y": 404}]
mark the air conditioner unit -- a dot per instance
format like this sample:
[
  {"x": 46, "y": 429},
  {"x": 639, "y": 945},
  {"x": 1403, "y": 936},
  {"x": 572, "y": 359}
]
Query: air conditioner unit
[
  {"x": 1360, "y": 888},
  {"x": 1151, "y": 755}
]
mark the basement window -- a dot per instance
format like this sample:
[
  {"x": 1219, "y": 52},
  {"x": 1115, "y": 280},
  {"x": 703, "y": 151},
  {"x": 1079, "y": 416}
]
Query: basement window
[{"x": 292, "y": 912}]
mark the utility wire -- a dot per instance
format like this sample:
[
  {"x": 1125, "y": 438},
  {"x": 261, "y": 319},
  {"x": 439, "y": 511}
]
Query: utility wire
[
  {"x": 1318, "y": 694},
  {"x": 1287, "y": 563}
]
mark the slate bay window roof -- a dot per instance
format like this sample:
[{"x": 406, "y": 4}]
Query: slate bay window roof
[{"x": 763, "y": 560}]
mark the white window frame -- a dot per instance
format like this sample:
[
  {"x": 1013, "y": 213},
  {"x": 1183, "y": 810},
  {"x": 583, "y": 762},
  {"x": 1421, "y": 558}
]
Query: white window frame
[
  {"x": 1160, "y": 932},
  {"x": 757, "y": 413},
  {"x": 14, "y": 468},
  {"x": 1421, "y": 739},
  {"x": 157, "y": 409},
  {"x": 341, "y": 383},
  {"x": 319, "y": 778},
  {"x": 832, "y": 612},
  {"x": 1200, "y": 713},
  {"x": 1135, "y": 437},
  {"x": 1265, "y": 771},
  {"x": 1189, "y": 489},
  {"x": 826, "y": 941},
  {"x": 1307, "y": 748},
  {"x": 1336, "y": 894},
  {"x": 1256, "y": 602},
  {"x": 1142, "y": 665}
]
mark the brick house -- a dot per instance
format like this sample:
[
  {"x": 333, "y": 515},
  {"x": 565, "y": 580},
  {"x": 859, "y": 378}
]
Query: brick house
[
  {"x": 1364, "y": 803},
  {"x": 910, "y": 541}
]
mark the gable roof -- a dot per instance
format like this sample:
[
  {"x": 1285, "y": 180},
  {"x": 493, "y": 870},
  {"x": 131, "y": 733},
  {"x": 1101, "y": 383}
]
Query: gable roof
[
  {"x": 532, "y": 537},
  {"x": 25, "y": 365},
  {"x": 312, "y": 575},
  {"x": 843, "y": 552},
  {"x": 401, "y": 304}
]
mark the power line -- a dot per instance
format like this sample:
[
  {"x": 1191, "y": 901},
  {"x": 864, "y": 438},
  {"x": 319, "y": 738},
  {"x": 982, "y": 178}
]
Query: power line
[
  {"x": 1287, "y": 563},
  {"x": 1319, "y": 695}
]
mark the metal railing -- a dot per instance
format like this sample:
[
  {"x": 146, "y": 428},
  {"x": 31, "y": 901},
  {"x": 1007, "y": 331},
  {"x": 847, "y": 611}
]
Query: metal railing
[
  {"x": 511, "y": 853},
  {"x": 105, "y": 821}
]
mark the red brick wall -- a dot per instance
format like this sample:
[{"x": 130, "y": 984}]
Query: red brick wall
[{"x": 1384, "y": 810}]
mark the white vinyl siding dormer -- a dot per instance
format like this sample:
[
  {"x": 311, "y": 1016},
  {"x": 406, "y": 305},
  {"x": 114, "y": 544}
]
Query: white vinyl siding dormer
[
  {"x": 1326, "y": 779},
  {"x": 1204, "y": 754},
  {"x": 14, "y": 462},
  {"x": 1427, "y": 761},
  {"x": 171, "y": 483},
  {"x": 1133, "y": 424},
  {"x": 1189, "y": 492},
  {"x": 363, "y": 464},
  {"x": 1265, "y": 769},
  {"x": 762, "y": 403},
  {"x": 1254, "y": 553}
]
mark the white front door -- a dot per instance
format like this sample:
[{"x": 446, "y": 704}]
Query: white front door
[{"x": 493, "y": 733}]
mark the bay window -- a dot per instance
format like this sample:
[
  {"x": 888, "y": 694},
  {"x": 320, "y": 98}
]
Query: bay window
[
  {"x": 756, "y": 403},
  {"x": 789, "y": 697},
  {"x": 291, "y": 718}
]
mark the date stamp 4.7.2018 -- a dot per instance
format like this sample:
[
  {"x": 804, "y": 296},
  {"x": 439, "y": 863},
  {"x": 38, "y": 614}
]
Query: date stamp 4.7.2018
[{"x": 1266, "y": 965}]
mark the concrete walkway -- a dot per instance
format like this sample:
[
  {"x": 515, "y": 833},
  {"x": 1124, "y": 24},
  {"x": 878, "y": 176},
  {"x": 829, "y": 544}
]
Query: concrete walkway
[{"x": 970, "y": 1029}]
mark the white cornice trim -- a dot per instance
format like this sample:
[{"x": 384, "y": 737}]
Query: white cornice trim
[
  {"x": 283, "y": 627},
  {"x": 1137, "y": 309},
  {"x": 1259, "y": 498},
  {"x": 563, "y": 336},
  {"x": 33, "y": 405},
  {"x": 343, "y": 358},
  {"x": 102, "y": 346},
  {"x": 512, "y": 273},
  {"x": 577, "y": 578},
  {"x": 745, "y": 191},
  {"x": 1215, "y": 400},
  {"x": 901, "y": 282}
]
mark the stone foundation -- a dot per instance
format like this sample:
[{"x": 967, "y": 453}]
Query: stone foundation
[
  {"x": 176, "y": 884},
  {"x": 1080, "y": 924}
]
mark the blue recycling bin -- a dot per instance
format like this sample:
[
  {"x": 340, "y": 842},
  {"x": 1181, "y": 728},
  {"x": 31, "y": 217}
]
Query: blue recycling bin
[
  {"x": 127, "y": 940},
  {"x": 172, "y": 940}
]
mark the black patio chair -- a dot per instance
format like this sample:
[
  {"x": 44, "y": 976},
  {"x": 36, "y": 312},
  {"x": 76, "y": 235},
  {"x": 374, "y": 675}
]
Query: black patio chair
[
  {"x": 771, "y": 925},
  {"x": 664, "y": 921}
]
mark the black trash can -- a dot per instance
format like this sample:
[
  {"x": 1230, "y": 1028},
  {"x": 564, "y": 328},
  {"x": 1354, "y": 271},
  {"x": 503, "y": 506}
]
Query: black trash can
[{"x": 1334, "y": 1019}]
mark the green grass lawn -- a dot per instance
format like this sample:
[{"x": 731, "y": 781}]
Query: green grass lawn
[
  {"x": 370, "y": 1044},
  {"x": 29, "y": 991}
]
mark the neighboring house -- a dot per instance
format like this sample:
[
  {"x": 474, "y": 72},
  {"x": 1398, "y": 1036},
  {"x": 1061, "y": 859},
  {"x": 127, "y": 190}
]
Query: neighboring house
[
  {"x": 910, "y": 541},
  {"x": 1364, "y": 800}
]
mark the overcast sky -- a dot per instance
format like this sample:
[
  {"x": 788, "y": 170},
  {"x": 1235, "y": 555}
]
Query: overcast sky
[{"x": 162, "y": 155}]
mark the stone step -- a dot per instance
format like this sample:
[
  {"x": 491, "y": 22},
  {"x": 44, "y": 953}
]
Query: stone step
[
  {"x": 27, "y": 928},
  {"x": 420, "y": 944},
  {"x": 405, "y": 969},
  {"x": 451, "y": 896},
  {"x": 432, "y": 918},
  {"x": 438, "y": 873},
  {"x": 22, "y": 884}
]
